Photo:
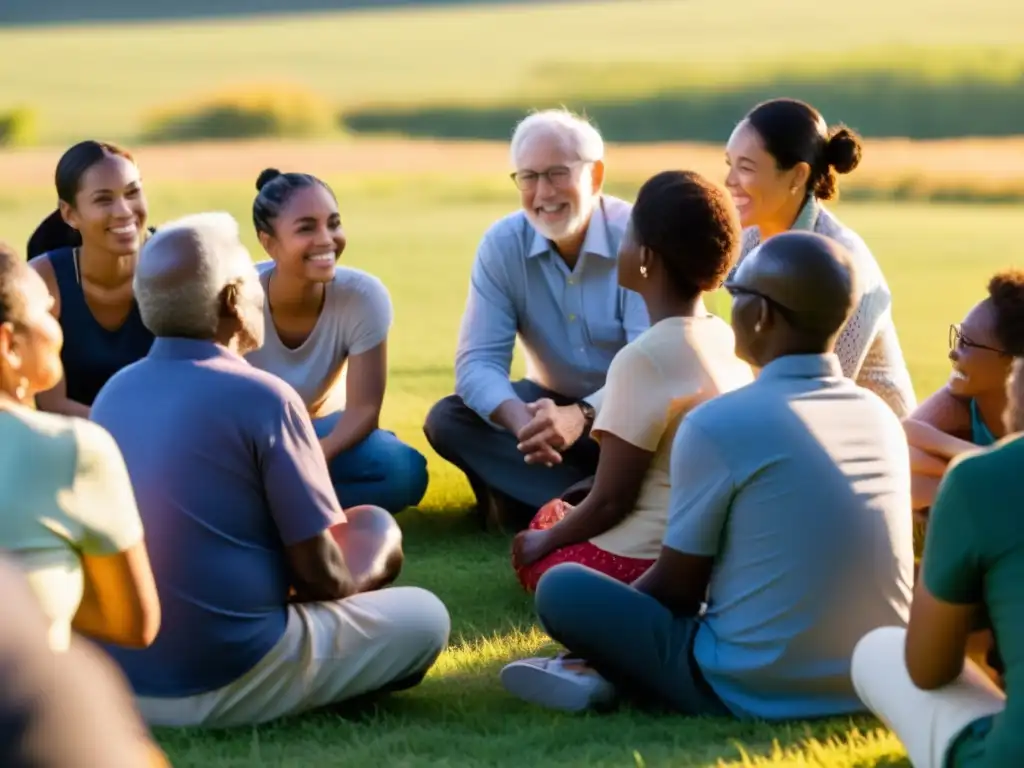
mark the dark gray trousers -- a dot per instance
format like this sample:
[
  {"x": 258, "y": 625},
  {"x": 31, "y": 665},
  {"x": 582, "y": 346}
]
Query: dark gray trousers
[{"x": 489, "y": 456}]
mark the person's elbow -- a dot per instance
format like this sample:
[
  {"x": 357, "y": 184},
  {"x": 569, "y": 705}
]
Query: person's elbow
[
  {"x": 930, "y": 675},
  {"x": 142, "y": 629}
]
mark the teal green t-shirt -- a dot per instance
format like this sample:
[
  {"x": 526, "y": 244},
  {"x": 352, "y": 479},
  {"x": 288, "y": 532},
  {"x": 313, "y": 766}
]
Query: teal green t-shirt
[{"x": 974, "y": 553}]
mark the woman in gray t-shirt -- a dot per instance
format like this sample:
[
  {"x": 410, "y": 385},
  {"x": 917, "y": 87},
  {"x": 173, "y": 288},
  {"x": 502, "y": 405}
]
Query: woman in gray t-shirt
[{"x": 326, "y": 335}]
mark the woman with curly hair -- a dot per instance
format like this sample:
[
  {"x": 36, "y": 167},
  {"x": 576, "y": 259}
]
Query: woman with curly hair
[{"x": 967, "y": 412}]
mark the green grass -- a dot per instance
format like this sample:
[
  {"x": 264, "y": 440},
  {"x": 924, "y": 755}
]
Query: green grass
[
  {"x": 420, "y": 240},
  {"x": 101, "y": 80}
]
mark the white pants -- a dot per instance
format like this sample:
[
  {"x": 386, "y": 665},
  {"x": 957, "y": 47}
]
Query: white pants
[
  {"x": 330, "y": 652},
  {"x": 926, "y": 722}
]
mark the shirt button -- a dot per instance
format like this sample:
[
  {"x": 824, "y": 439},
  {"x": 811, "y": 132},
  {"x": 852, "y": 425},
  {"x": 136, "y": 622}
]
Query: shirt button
[
  {"x": 572, "y": 318},
  {"x": 572, "y": 281}
]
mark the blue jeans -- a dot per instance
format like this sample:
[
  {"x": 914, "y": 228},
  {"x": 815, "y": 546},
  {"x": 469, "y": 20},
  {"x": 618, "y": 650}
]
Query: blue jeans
[{"x": 380, "y": 470}]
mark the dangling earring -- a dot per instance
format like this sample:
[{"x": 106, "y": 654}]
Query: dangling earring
[
  {"x": 757, "y": 327},
  {"x": 21, "y": 390},
  {"x": 643, "y": 271}
]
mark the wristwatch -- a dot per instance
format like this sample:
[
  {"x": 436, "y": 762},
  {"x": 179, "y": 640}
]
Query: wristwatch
[{"x": 588, "y": 415}]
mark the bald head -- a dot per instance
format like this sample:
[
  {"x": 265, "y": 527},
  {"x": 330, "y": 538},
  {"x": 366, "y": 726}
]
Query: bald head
[
  {"x": 185, "y": 273},
  {"x": 793, "y": 295},
  {"x": 810, "y": 275}
]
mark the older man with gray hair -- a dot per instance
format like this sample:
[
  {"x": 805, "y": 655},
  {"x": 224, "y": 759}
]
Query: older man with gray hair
[
  {"x": 547, "y": 275},
  {"x": 271, "y": 595}
]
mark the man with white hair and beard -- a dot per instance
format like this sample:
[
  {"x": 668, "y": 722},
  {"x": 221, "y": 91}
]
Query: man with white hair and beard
[
  {"x": 271, "y": 595},
  {"x": 547, "y": 275}
]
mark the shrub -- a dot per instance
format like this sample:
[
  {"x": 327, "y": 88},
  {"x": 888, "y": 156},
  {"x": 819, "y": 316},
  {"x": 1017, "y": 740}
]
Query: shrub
[
  {"x": 18, "y": 127},
  {"x": 264, "y": 111}
]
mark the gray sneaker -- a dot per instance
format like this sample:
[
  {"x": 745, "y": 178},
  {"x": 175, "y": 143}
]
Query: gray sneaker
[{"x": 557, "y": 684}]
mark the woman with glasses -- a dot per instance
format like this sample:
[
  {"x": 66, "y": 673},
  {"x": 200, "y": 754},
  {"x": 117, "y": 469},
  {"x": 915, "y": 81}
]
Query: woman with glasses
[
  {"x": 967, "y": 412},
  {"x": 784, "y": 162}
]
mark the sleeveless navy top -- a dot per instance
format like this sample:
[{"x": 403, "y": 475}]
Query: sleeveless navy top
[{"x": 91, "y": 353}]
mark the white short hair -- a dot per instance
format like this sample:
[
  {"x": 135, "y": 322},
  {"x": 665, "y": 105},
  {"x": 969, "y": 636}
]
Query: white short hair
[
  {"x": 577, "y": 134},
  {"x": 183, "y": 270}
]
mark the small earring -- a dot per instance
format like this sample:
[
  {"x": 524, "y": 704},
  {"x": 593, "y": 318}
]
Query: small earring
[
  {"x": 21, "y": 390},
  {"x": 643, "y": 271},
  {"x": 792, "y": 190},
  {"x": 757, "y": 327}
]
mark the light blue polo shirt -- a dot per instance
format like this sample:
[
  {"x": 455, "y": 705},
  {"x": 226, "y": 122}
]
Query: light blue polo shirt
[{"x": 799, "y": 486}]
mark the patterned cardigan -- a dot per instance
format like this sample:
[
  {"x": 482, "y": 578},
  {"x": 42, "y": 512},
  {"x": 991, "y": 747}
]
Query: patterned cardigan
[{"x": 868, "y": 346}]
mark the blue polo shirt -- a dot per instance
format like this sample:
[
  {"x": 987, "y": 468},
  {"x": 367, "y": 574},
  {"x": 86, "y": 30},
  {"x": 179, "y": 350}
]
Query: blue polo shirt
[
  {"x": 227, "y": 472},
  {"x": 798, "y": 485}
]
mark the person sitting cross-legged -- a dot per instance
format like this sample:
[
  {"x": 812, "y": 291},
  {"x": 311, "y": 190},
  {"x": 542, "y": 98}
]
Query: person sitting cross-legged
[
  {"x": 682, "y": 238},
  {"x": 547, "y": 276},
  {"x": 272, "y": 596},
  {"x": 789, "y": 515}
]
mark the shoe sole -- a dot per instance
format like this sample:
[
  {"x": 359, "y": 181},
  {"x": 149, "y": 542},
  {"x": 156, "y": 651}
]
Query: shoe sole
[{"x": 544, "y": 689}]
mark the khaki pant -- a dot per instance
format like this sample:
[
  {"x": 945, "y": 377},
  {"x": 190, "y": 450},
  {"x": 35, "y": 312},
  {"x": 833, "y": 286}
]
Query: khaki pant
[
  {"x": 330, "y": 652},
  {"x": 926, "y": 722}
]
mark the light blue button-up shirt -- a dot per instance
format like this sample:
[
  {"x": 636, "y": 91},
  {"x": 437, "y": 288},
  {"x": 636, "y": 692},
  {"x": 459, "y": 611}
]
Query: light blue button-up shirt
[{"x": 570, "y": 323}]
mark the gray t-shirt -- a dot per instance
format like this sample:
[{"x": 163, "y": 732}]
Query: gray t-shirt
[
  {"x": 356, "y": 317},
  {"x": 798, "y": 485}
]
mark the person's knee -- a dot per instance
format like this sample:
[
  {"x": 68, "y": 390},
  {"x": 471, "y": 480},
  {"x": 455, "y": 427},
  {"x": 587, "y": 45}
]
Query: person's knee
[
  {"x": 442, "y": 425},
  {"x": 563, "y": 601},
  {"x": 424, "y": 626},
  {"x": 411, "y": 478},
  {"x": 873, "y": 651}
]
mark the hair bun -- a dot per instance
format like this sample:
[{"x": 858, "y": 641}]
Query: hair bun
[
  {"x": 266, "y": 176},
  {"x": 843, "y": 151}
]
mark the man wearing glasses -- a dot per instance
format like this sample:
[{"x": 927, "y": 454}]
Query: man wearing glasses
[{"x": 546, "y": 275}]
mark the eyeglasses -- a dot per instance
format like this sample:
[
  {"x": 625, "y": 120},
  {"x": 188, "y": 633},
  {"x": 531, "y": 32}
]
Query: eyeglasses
[
  {"x": 734, "y": 290},
  {"x": 957, "y": 339},
  {"x": 558, "y": 176}
]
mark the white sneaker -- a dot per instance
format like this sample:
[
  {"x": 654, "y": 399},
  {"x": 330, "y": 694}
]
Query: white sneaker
[{"x": 557, "y": 684}]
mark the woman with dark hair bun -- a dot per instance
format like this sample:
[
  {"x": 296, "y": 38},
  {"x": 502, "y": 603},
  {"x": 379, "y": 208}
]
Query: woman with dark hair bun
[
  {"x": 327, "y": 332},
  {"x": 86, "y": 251},
  {"x": 784, "y": 163}
]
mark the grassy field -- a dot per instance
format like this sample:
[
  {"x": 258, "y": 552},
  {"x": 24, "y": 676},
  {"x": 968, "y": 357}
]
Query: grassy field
[
  {"x": 419, "y": 235},
  {"x": 101, "y": 80}
]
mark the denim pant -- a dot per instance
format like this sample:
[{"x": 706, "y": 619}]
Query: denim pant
[
  {"x": 380, "y": 470},
  {"x": 630, "y": 638}
]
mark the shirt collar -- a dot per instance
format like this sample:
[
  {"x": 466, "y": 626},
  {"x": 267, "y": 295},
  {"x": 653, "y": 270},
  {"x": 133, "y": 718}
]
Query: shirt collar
[
  {"x": 807, "y": 219},
  {"x": 596, "y": 241},
  {"x": 803, "y": 367},
  {"x": 178, "y": 348}
]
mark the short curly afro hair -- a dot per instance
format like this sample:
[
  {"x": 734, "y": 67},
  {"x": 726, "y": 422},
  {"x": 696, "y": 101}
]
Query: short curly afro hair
[
  {"x": 692, "y": 225},
  {"x": 1006, "y": 292}
]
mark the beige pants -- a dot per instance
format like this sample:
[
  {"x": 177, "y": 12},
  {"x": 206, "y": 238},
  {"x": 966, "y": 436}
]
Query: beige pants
[
  {"x": 330, "y": 652},
  {"x": 926, "y": 722}
]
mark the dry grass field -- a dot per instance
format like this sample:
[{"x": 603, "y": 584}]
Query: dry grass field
[{"x": 985, "y": 166}]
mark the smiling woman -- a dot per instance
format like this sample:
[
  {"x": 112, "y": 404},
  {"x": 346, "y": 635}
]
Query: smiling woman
[
  {"x": 783, "y": 163},
  {"x": 86, "y": 252},
  {"x": 326, "y": 335}
]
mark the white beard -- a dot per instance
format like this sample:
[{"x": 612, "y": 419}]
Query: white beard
[{"x": 567, "y": 228}]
